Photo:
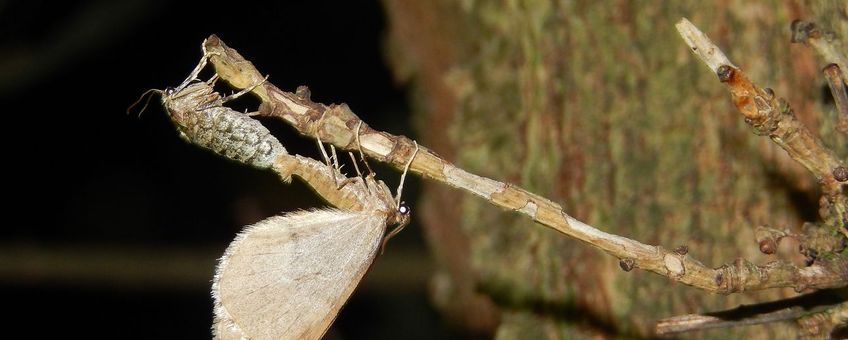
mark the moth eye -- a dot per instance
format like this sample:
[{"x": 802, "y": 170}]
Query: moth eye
[
  {"x": 169, "y": 91},
  {"x": 404, "y": 209}
]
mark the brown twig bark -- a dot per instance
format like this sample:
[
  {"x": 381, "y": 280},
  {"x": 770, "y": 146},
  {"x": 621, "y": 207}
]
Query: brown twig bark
[{"x": 337, "y": 124}]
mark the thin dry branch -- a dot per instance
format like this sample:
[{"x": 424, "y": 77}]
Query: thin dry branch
[
  {"x": 745, "y": 315},
  {"x": 832, "y": 75},
  {"x": 824, "y": 43},
  {"x": 829, "y": 323},
  {"x": 337, "y": 125},
  {"x": 771, "y": 116}
]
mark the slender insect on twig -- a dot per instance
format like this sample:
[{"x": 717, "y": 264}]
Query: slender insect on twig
[{"x": 286, "y": 276}]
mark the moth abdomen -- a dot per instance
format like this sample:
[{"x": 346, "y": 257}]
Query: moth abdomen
[
  {"x": 237, "y": 136},
  {"x": 232, "y": 134}
]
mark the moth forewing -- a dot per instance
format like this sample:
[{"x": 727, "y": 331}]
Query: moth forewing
[{"x": 288, "y": 276}]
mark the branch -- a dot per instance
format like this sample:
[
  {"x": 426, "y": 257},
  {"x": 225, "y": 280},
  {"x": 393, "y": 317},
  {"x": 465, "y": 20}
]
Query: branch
[
  {"x": 788, "y": 309},
  {"x": 772, "y": 116},
  {"x": 829, "y": 323},
  {"x": 337, "y": 124},
  {"x": 832, "y": 74},
  {"x": 824, "y": 43}
]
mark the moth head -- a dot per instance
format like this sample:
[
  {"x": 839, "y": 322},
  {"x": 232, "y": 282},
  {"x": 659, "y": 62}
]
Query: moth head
[
  {"x": 403, "y": 209},
  {"x": 403, "y": 214},
  {"x": 185, "y": 101}
]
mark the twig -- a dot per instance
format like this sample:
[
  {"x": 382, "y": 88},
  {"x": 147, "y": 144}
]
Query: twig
[
  {"x": 829, "y": 323},
  {"x": 822, "y": 42},
  {"x": 772, "y": 116},
  {"x": 787, "y": 309},
  {"x": 840, "y": 98},
  {"x": 337, "y": 125}
]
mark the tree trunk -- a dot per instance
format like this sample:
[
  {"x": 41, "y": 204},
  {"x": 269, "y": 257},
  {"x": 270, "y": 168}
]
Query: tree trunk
[{"x": 600, "y": 106}]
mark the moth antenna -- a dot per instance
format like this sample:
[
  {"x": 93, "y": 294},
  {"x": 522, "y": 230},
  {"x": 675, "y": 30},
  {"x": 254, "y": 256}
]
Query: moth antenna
[
  {"x": 359, "y": 147},
  {"x": 160, "y": 92},
  {"x": 403, "y": 176}
]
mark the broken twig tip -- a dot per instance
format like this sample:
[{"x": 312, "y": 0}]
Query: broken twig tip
[{"x": 701, "y": 45}]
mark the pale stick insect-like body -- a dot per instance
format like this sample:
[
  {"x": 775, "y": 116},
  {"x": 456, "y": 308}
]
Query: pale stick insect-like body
[{"x": 286, "y": 276}]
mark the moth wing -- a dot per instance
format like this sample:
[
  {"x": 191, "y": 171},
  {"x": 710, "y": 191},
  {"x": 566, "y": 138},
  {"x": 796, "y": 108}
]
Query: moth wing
[{"x": 288, "y": 276}]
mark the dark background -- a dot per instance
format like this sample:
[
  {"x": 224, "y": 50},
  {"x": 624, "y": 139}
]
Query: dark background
[{"x": 113, "y": 223}]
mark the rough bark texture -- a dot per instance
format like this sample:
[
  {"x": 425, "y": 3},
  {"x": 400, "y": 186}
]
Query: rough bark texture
[{"x": 600, "y": 106}]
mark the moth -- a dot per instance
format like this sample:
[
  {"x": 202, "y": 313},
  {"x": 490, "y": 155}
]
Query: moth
[{"x": 286, "y": 276}]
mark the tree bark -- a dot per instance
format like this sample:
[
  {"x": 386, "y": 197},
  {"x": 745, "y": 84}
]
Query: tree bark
[{"x": 601, "y": 107}]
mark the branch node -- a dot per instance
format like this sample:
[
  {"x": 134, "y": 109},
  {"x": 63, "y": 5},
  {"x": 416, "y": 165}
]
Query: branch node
[
  {"x": 626, "y": 264},
  {"x": 725, "y": 73},
  {"x": 804, "y": 30},
  {"x": 840, "y": 174}
]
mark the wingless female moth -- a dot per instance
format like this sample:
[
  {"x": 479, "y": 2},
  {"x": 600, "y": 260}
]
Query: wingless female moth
[{"x": 287, "y": 276}]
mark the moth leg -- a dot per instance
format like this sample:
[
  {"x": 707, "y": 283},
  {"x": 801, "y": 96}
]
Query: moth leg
[
  {"x": 359, "y": 147},
  {"x": 327, "y": 161},
  {"x": 403, "y": 176},
  {"x": 211, "y": 82},
  {"x": 243, "y": 92},
  {"x": 359, "y": 174},
  {"x": 355, "y": 167},
  {"x": 392, "y": 233},
  {"x": 338, "y": 168}
]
